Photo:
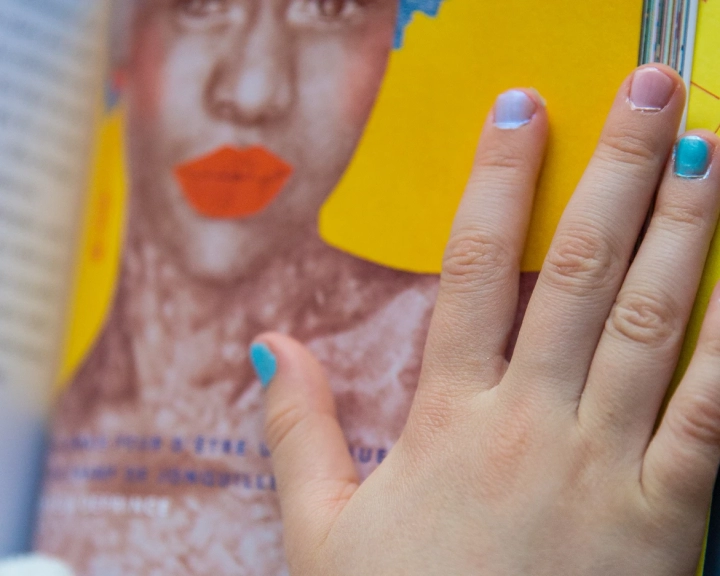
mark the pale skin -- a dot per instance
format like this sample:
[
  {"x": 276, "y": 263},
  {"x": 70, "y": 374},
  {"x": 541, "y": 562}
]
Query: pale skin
[{"x": 549, "y": 464}]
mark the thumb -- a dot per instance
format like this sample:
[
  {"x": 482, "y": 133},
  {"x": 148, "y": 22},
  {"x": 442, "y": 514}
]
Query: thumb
[{"x": 314, "y": 472}]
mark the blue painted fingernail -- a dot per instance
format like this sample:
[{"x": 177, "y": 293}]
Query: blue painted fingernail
[
  {"x": 692, "y": 157},
  {"x": 264, "y": 363},
  {"x": 514, "y": 109}
]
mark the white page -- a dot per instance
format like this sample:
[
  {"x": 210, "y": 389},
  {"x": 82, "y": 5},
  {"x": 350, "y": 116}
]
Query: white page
[{"x": 49, "y": 71}]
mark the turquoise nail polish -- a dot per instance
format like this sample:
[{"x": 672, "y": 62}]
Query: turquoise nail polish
[
  {"x": 264, "y": 363},
  {"x": 692, "y": 157}
]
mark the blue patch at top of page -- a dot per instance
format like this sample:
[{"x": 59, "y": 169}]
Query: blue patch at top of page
[{"x": 406, "y": 13}]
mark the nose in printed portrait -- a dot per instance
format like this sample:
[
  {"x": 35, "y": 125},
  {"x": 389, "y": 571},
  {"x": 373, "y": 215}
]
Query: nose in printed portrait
[{"x": 252, "y": 82}]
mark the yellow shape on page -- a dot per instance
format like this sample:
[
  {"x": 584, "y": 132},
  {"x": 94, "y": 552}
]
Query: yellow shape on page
[
  {"x": 396, "y": 202},
  {"x": 705, "y": 89},
  {"x": 100, "y": 245}
]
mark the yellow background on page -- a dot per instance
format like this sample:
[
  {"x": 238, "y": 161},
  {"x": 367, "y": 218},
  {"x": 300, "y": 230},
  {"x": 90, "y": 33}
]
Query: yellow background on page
[{"x": 396, "y": 203}]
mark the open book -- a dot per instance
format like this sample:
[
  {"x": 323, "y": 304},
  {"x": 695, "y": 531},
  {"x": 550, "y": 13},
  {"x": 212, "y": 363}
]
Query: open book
[{"x": 256, "y": 168}]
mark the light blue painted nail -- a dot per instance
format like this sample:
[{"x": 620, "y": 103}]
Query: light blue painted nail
[
  {"x": 692, "y": 157},
  {"x": 514, "y": 109},
  {"x": 264, "y": 363}
]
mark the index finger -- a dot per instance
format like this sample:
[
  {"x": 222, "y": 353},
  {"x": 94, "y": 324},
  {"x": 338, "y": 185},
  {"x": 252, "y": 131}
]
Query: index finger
[{"x": 475, "y": 309}]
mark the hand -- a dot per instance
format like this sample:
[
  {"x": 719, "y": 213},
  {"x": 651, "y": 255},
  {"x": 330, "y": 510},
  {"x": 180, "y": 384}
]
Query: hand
[{"x": 549, "y": 464}]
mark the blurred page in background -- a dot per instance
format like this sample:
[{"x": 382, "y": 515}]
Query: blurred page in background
[{"x": 49, "y": 68}]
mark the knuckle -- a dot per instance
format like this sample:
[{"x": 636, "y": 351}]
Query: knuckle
[
  {"x": 644, "y": 318},
  {"x": 698, "y": 420},
  {"x": 627, "y": 148},
  {"x": 512, "y": 440},
  {"x": 434, "y": 417},
  {"x": 280, "y": 424},
  {"x": 709, "y": 344},
  {"x": 433, "y": 413},
  {"x": 673, "y": 215},
  {"x": 578, "y": 261},
  {"x": 507, "y": 161},
  {"x": 475, "y": 258}
]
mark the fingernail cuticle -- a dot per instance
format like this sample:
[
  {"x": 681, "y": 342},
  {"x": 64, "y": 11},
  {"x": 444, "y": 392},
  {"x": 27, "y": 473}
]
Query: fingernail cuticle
[
  {"x": 264, "y": 363},
  {"x": 692, "y": 157},
  {"x": 539, "y": 97},
  {"x": 514, "y": 109}
]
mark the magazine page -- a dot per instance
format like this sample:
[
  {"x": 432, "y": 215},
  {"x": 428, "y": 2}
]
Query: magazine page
[
  {"x": 49, "y": 69},
  {"x": 288, "y": 165},
  {"x": 704, "y": 112}
]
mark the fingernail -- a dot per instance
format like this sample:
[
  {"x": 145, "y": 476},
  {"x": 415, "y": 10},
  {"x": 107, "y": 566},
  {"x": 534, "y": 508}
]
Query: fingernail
[
  {"x": 514, "y": 109},
  {"x": 264, "y": 363},
  {"x": 651, "y": 90},
  {"x": 692, "y": 157}
]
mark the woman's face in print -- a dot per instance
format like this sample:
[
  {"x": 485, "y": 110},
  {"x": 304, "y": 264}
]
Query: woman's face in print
[{"x": 243, "y": 115}]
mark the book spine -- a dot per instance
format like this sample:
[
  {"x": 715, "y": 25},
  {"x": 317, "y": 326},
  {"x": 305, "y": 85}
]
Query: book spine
[{"x": 668, "y": 36}]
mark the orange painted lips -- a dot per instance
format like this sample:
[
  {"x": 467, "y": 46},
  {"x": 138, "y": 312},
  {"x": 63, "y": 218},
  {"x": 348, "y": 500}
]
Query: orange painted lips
[{"x": 232, "y": 182}]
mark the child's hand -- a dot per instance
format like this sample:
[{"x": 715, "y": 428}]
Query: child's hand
[{"x": 549, "y": 465}]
